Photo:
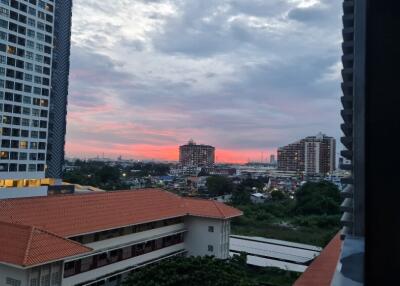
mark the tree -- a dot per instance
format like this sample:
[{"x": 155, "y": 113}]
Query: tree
[
  {"x": 241, "y": 195},
  {"x": 278, "y": 196},
  {"x": 318, "y": 199},
  {"x": 193, "y": 271},
  {"x": 219, "y": 185}
]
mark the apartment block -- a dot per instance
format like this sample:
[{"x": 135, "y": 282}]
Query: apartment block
[
  {"x": 311, "y": 155},
  {"x": 193, "y": 154},
  {"x": 98, "y": 239},
  {"x": 27, "y": 41}
]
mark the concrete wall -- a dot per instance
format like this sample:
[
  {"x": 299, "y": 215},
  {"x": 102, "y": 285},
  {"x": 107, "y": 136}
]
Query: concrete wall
[
  {"x": 9, "y": 193},
  {"x": 48, "y": 272},
  {"x": 198, "y": 238},
  {"x": 132, "y": 238},
  {"x": 14, "y": 273}
]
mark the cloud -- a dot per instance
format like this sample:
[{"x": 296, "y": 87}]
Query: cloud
[{"x": 241, "y": 75}]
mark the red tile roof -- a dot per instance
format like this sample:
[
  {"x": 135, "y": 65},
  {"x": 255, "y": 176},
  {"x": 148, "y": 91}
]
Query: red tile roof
[
  {"x": 206, "y": 208},
  {"x": 51, "y": 219},
  {"x": 322, "y": 270},
  {"x": 27, "y": 245}
]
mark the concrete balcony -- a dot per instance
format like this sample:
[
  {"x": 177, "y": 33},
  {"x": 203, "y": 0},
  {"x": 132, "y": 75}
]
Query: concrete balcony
[
  {"x": 347, "y": 219},
  {"x": 347, "y": 142},
  {"x": 95, "y": 274},
  {"x": 348, "y": 154},
  {"x": 347, "y": 205},
  {"x": 347, "y": 128},
  {"x": 347, "y": 192}
]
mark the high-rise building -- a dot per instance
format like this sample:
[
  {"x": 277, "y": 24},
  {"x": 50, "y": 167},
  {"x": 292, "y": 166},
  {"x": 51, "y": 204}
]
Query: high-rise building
[
  {"x": 291, "y": 157},
  {"x": 193, "y": 154},
  {"x": 365, "y": 252},
  {"x": 272, "y": 159},
  {"x": 59, "y": 88},
  {"x": 311, "y": 155},
  {"x": 34, "y": 49}
]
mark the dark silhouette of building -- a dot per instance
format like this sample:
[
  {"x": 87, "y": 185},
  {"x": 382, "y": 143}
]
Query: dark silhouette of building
[
  {"x": 59, "y": 92},
  {"x": 193, "y": 154},
  {"x": 369, "y": 250}
]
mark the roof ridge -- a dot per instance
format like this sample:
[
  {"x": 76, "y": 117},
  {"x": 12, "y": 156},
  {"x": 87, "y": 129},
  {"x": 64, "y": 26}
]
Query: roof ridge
[
  {"x": 31, "y": 238},
  {"x": 28, "y": 246},
  {"x": 80, "y": 194},
  {"x": 60, "y": 237},
  {"x": 220, "y": 211}
]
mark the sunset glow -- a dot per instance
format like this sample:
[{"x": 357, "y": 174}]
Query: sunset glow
[
  {"x": 154, "y": 152},
  {"x": 243, "y": 76}
]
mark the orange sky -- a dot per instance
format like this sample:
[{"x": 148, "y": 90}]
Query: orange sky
[{"x": 149, "y": 152}]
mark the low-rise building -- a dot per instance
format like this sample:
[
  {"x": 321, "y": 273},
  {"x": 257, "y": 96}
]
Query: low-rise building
[
  {"x": 258, "y": 198},
  {"x": 99, "y": 238}
]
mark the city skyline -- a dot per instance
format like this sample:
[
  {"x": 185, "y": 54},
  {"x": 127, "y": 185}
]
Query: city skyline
[{"x": 146, "y": 76}]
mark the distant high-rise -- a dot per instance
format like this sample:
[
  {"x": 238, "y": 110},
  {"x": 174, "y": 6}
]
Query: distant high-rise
[
  {"x": 193, "y": 154},
  {"x": 272, "y": 159},
  {"x": 34, "y": 51},
  {"x": 311, "y": 155}
]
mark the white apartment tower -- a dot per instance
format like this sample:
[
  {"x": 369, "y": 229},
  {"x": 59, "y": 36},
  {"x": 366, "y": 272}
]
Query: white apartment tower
[{"x": 26, "y": 57}]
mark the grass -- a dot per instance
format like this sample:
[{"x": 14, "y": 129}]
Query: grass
[
  {"x": 271, "y": 222},
  {"x": 313, "y": 236}
]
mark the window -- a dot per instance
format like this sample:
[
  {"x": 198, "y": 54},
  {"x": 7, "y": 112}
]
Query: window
[
  {"x": 45, "y": 280},
  {"x": 13, "y": 282},
  {"x": 86, "y": 263},
  {"x": 210, "y": 248},
  {"x": 55, "y": 278},
  {"x": 210, "y": 229}
]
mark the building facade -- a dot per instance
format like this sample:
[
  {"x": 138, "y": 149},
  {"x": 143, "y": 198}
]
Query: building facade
[
  {"x": 98, "y": 239},
  {"x": 193, "y": 154},
  {"x": 311, "y": 155},
  {"x": 27, "y": 40},
  {"x": 59, "y": 88},
  {"x": 272, "y": 159},
  {"x": 291, "y": 157}
]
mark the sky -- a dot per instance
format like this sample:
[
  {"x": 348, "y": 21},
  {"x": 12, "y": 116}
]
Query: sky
[{"x": 245, "y": 76}]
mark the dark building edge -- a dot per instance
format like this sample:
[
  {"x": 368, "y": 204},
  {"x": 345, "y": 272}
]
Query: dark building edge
[{"x": 59, "y": 93}]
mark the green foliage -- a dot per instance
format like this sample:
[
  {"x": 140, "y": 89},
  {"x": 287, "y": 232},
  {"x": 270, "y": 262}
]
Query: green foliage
[
  {"x": 103, "y": 176},
  {"x": 219, "y": 185},
  {"x": 313, "y": 217},
  {"x": 278, "y": 196},
  {"x": 321, "y": 198},
  {"x": 208, "y": 271},
  {"x": 241, "y": 194},
  {"x": 194, "y": 271}
]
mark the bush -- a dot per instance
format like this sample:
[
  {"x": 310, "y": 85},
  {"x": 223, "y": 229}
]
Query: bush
[{"x": 318, "y": 198}]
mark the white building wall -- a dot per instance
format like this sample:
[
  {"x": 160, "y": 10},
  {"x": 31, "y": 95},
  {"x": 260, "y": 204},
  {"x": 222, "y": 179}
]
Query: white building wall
[
  {"x": 14, "y": 273},
  {"x": 317, "y": 157},
  {"x": 10, "y": 193},
  {"x": 199, "y": 238}
]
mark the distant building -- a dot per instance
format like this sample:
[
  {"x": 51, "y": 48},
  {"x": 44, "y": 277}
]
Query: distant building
[
  {"x": 258, "y": 198},
  {"x": 193, "y": 154},
  {"x": 99, "y": 238},
  {"x": 311, "y": 155},
  {"x": 272, "y": 159},
  {"x": 291, "y": 157}
]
